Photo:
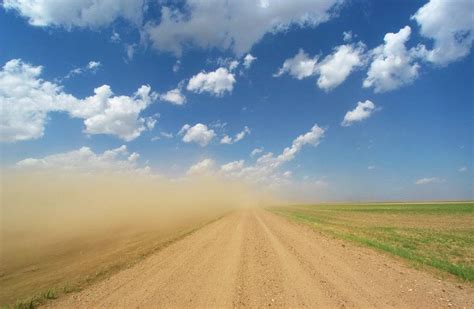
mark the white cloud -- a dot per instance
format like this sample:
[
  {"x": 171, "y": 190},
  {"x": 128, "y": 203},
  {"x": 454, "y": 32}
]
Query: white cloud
[
  {"x": 462, "y": 169},
  {"x": 332, "y": 70},
  {"x": 226, "y": 140},
  {"x": 299, "y": 67},
  {"x": 428, "y": 180},
  {"x": 238, "y": 137},
  {"x": 26, "y": 100},
  {"x": 256, "y": 151},
  {"x": 78, "y": 13},
  {"x": 248, "y": 60},
  {"x": 313, "y": 137},
  {"x": 117, "y": 160},
  {"x": 335, "y": 68},
  {"x": 266, "y": 167},
  {"x": 218, "y": 124},
  {"x": 176, "y": 66},
  {"x": 233, "y": 65},
  {"x": 235, "y": 25},
  {"x": 115, "y": 37},
  {"x": 232, "y": 166},
  {"x": 199, "y": 134},
  {"x": 104, "y": 113},
  {"x": 216, "y": 83},
  {"x": 92, "y": 66},
  {"x": 371, "y": 167},
  {"x": 362, "y": 111},
  {"x": 450, "y": 25},
  {"x": 392, "y": 65},
  {"x": 206, "y": 166},
  {"x": 347, "y": 36},
  {"x": 174, "y": 96},
  {"x": 162, "y": 135},
  {"x": 130, "y": 51},
  {"x": 166, "y": 134}
]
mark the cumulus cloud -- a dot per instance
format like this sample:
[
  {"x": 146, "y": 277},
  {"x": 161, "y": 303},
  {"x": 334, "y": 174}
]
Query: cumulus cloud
[
  {"x": 117, "y": 160},
  {"x": 174, "y": 96},
  {"x": 299, "y": 67},
  {"x": 362, "y": 111},
  {"x": 199, "y": 134},
  {"x": 332, "y": 70},
  {"x": 428, "y": 180},
  {"x": 235, "y": 25},
  {"x": 204, "y": 167},
  {"x": 105, "y": 113},
  {"x": 26, "y": 100},
  {"x": 450, "y": 25},
  {"x": 232, "y": 166},
  {"x": 226, "y": 140},
  {"x": 248, "y": 60},
  {"x": 266, "y": 167},
  {"x": 393, "y": 65},
  {"x": 336, "y": 67},
  {"x": 78, "y": 13},
  {"x": 313, "y": 137},
  {"x": 216, "y": 83},
  {"x": 238, "y": 137}
]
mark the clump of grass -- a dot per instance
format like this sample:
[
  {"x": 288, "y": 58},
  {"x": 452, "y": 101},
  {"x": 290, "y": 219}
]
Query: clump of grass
[
  {"x": 36, "y": 300},
  {"x": 69, "y": 288},
  {"x": 50, "y": 294}
]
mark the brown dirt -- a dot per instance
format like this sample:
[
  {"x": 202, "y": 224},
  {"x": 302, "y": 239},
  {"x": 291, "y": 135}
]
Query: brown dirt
[{"x": 253, "y": 258}]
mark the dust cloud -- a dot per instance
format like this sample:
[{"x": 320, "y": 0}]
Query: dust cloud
[
  {"x": 67, "y": 218},
  {"x": 40, "y": 208}
]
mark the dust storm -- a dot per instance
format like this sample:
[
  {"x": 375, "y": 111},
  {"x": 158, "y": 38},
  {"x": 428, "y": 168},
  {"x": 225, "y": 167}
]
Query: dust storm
[{"x": 62, "y": 231}]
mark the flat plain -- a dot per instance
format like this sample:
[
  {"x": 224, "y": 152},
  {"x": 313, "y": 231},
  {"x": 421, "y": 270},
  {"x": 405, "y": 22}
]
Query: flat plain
[
  {"x": 329, "y": 256},
  {"x": 253, "y": 258},
  {"x": 438, "y": 235}
]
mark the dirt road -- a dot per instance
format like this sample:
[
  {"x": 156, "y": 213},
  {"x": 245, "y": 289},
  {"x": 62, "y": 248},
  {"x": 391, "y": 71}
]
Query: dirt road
[{"x": 253, "y": 258}]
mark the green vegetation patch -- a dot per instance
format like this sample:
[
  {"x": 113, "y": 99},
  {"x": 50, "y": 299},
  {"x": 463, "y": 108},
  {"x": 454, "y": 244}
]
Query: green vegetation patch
[{"x": 436, "y": 235}]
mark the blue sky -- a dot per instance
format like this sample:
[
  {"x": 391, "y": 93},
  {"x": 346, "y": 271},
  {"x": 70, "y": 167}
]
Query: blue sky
[{"x": 410, "y": 137}]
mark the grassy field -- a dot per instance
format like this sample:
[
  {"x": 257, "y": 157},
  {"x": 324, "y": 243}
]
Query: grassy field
[{"x": 439, "y": 235}]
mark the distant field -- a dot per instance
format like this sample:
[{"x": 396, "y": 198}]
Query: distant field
[{"x": 439, "y": 235}]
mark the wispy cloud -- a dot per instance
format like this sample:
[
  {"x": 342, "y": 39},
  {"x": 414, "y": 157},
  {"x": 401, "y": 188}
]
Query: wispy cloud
[{"x": 428, "y": 180}]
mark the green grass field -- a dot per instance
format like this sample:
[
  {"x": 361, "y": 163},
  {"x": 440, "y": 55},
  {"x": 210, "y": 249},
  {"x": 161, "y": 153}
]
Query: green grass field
[{"x": 439, "y": 235}]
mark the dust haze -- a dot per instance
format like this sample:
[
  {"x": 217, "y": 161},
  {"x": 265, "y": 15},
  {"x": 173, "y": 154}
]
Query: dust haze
[{"x": 57, "y": 226}]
